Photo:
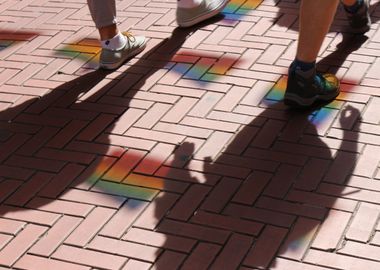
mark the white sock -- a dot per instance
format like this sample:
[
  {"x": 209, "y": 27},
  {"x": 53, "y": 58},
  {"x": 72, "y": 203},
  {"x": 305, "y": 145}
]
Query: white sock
[
  {"x": 116, "y": 43},
  {"x": 188, "y": 3}
]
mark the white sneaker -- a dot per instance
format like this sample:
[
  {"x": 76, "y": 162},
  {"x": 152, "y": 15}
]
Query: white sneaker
[
  {"x": 113, "y": 59},
  {"x": 187, "y": 17}
]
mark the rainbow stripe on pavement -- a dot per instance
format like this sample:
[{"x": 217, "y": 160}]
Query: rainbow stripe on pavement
[
  {"x": 237, "y": 9},
  {"x": 125, "y": 184}
]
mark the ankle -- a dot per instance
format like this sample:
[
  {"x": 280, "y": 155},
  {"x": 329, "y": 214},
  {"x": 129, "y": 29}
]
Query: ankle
[
  {"x": 302, "y": 67},
  {"x": 115, "y": 43},
  {"x": 353, "y": 7}
]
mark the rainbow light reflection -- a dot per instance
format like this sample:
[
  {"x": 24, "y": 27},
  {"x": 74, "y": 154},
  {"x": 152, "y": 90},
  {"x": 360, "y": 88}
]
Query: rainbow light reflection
[
  {"x": 237, "y": 9},
  {"x": 205, "y": 67},
  {"x": 86, "y": 52},
  {"x": 131, "y": 186},
  {"x": 318, "y": 117}
]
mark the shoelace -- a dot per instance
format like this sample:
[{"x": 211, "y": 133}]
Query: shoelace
[{"x": 131, "y": 38}]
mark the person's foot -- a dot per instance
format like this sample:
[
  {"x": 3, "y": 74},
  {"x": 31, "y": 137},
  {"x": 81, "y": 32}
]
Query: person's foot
[
  {"x": 113, "y": 59},
  {"x": 358, "y": 16},
  {"x": 187, "y": 17},
  {"x": 306, "y": 88}
]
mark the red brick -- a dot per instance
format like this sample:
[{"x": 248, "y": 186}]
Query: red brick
[
  {"x": 189, "y": 202},
  {"x": 341, "y": 167},
  {"x": 38, "y": 140},
  {"x": 15, "y": 172},
  {"x": 155, "y": 183},
  {"x": 89, "y": 227},
  {"x": 233, "y": 252},
  {"x": 36, "y": 163},
  {"x": 282, "y": 264},
  {"x": 4, "y": 239},
  {"x": 213, "y": 145},
  {"x": 61, "y": 180},
  {"x": 128, "y": 249},
  {"x": 265, "y": 248},
  {"x": 9, "y": 226},
  {"x": 124, "y": 165},
  {"x": 339, "y": 261},
  {"x": 59, "y": 206},
  {"x": 183, "y": 130},
  {"x": 320, "y": 200},
  {"x": 251, "y": 188},
  {"x": 30, "y": 262},
  {"x": 154, "y": 159},
  {"x": 290, "y": 208},
  {"x": 201, "y": 257},
  {"x": 66, "y": 134},
  {"x": 331, "y": 230},
  {"x": 205, "y": 105},
  {"x": 220, "y": 195},
  {"x": 95, "y": 198},
  {"x": 123, "y": 219},
  {"x": 88, "y": 257},
  {"x": 194, "y": 231},
  {"x": 299, "y": 239},
  {"x": 218, "y": 168},
  {"x": 232, "y": 98},
  {"x": 363, "y": 223},
  {"x": 186, "y": 177},
  {"x": 160, "y": 240},
  {"x": 123, "y": 123},
  {"x": 28, "y": 215},
  {"x": 55, "y": 236},
  {"x": 21, "y": 243},
  {"x": 210, "y": 124},
  {"x": 282, "y": 181},
  {"x": 8, "y": 187},
  {"x": 177, "y": 91},
  {"x": 169, "y": 260},
  {"x": 153, "y": 214},
  {"x": 179, "y": 110},
  {"x": 136, "y": 265},
  {"x": 260, "y": 215}
]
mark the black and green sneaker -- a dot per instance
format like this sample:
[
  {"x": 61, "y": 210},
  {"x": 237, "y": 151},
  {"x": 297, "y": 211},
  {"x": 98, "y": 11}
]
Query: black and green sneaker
[
  {"x": 359, "y": 18},
  {"x": 304, "y": 88}
]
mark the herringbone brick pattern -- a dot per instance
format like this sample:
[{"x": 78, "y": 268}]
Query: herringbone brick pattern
[{"x": 184, "y": 158}]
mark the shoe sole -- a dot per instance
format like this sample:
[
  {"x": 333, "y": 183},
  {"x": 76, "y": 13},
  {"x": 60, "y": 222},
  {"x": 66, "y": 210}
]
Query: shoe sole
[
  {"x": 204, "y": 16},
  {"x": 113, "y": 66},
  {"x": 293, "y": 100}
]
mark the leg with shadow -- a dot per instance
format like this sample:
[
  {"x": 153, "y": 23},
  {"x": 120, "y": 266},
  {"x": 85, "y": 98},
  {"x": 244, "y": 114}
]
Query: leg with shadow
[
  {"x": 305, "y": 85},
  {"x": 118, "y": 47}
]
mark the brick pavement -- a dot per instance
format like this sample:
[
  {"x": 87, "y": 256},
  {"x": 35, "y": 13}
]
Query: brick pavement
[{"x": 184, "y": 158}]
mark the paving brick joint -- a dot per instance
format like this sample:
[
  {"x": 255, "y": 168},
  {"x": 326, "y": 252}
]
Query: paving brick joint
[{"x": 185, "y": 157}]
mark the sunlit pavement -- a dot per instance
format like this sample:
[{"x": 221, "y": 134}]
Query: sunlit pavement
[{"x": 185, "y": 157}]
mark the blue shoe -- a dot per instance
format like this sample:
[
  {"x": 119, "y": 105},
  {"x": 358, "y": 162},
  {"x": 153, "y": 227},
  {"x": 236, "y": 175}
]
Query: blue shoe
[{"x": 303, "y": 90}]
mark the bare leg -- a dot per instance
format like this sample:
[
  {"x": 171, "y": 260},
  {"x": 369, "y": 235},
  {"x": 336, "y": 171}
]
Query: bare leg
[
  {"x": 108, "y": 32},
  {"x": 315, "y": 20}
]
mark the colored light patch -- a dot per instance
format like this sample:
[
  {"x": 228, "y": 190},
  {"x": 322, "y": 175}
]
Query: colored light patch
[
  {"x": 124, "y": 190},
  {"x": 301, "y": 242},
  {"x": 278, "y": 91},
  {"x": 237, "y": 9},
  {"x": 84, "y": 53},
  {"x": 8, "y": 38},
  {"x": 206, "y": 68},
  {"x": 318, "y": 117},
  {"x": 134, "y": 186}
]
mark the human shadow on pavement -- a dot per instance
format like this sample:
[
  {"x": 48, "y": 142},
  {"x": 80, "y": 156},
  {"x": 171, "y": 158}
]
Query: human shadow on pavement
[
  {"x": 262, "y": 197},
  {"x": 57, "y": 146}
]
